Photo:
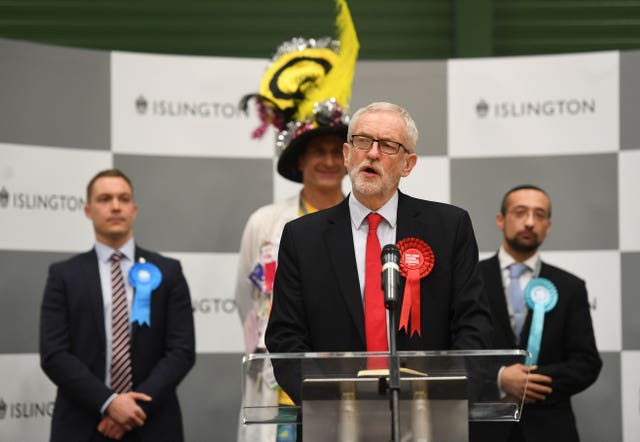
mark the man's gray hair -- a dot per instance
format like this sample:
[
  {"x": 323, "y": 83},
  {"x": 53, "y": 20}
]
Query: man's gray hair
[{"x": 412, "y": 130}]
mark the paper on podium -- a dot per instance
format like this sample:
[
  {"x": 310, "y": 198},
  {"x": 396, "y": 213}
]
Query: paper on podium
[{"x": 385, "y": 372}]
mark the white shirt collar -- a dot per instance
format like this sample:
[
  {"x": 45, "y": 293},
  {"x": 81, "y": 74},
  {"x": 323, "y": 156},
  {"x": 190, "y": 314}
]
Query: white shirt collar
[
  {"x": 359, "y": 211},
  {"x": 533, "y": 263},
  {"x": 104, "y": 252}
]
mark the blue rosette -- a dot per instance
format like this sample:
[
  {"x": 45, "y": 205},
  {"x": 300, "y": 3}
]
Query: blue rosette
[
  {"x": 541, "y": 296},
  {"x": 144, "y": 277}
]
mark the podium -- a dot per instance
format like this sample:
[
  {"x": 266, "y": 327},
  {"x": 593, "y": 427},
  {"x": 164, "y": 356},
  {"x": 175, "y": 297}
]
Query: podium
[{"x": 340, "y": 397}]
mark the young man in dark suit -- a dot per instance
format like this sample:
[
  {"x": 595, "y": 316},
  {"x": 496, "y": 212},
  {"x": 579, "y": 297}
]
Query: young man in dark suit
[
  {"x": 79, "y": 323},
  {"x": 567, "y": 360},
  {"x": 321, "y": 301}
]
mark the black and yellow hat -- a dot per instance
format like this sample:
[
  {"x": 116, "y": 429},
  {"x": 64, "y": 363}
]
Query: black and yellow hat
[{"x": 306, "y": 89}]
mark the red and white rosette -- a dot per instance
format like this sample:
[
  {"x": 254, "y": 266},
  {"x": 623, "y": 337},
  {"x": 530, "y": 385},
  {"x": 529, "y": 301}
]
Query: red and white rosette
[{"x": 416, "y": 262}]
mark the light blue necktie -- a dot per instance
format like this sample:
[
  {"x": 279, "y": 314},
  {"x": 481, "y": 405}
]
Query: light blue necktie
[{"x": 517, "y": 296}]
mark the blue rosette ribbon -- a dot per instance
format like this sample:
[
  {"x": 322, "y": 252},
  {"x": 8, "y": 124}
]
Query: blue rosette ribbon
[
  {"x": 541, "y": 296},
  {"x": 144, "y": 277}
]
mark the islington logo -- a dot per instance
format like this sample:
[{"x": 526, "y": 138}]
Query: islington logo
[
  {"x": 536, "y": 109},
  {"x": 142, "y": 105},
  {"x": 25, "y": 410},
  {"x": 187, "y": 109},
  {"x": 40, "y": 201},
  {"x": 4, "y": 198}
]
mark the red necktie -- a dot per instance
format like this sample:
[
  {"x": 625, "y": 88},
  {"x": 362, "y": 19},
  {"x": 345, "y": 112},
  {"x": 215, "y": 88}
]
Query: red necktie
[
  {"x": 375, "y": 315},
  {"x": 121, "y": 354}
]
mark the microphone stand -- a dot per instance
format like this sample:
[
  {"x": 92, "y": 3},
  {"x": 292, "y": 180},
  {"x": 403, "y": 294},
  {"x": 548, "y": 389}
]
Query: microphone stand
[
  {"x": 394, "y": 373},
  {"x": 390, "y": 281}
]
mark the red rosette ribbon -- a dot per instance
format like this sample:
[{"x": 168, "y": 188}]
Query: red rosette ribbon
[{"x": 416, "y": 262}]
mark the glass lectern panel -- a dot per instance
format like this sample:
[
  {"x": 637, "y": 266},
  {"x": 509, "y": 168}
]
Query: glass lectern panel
[{"x": 435, "y": 383}]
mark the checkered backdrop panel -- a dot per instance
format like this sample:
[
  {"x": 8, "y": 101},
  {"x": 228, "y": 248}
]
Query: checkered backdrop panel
[{"x": 566, "y": 122}]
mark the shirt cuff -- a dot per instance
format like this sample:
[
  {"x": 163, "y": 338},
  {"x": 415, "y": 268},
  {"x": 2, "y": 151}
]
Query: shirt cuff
[
  {"x": 502, "y": 393},
  {"x": 103, "y": 409}
]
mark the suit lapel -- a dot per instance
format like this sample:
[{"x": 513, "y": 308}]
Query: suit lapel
[
  {"x": 138, "y": 253},
  {"x": 495, "y": 291},
  {"x": 409, "y": 225},
  {"x": 343, "y": 260},
  {"x": 545, "y": 272},
  {"x": 95, "y": 295}
]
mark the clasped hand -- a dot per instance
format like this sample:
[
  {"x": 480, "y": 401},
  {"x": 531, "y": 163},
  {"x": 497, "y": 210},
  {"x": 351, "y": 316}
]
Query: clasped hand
[
  {"x": 123, "y": 414},
  {"x": 517, "y": 380}
]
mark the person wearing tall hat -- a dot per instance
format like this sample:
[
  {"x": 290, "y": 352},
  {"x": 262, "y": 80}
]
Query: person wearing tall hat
[{"x": 304, "y": 95}]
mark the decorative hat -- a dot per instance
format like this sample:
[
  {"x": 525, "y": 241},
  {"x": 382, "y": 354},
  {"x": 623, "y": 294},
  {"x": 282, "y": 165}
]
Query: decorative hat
[{"x": 305, "y": 91}]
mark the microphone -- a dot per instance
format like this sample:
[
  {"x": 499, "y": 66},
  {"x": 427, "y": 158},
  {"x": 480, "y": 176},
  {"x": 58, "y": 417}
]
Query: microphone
[{"x": 390, "y": 274}]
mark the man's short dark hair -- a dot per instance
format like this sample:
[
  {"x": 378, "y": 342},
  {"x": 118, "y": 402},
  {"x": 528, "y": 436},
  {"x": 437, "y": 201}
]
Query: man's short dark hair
[
  {"x": 107, "y": 173},
  {"x": 503, "y": 206}
]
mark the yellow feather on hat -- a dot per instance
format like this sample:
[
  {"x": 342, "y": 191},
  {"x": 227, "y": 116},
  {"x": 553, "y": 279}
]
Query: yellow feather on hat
[
  {"x": 306, "y": 90},
  {"x": 337, "y": 83},
  {"x": 305, "y": 72}
]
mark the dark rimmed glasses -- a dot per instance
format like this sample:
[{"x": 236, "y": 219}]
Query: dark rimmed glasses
[{"x": 387, "y": 147}]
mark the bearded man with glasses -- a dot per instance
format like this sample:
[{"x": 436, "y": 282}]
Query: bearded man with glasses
[{"x": 566, "y": 360}]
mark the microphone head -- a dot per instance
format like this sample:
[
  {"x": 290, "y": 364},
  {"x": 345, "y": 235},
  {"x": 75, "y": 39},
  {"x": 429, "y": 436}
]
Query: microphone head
[{"x": 390, "y": 253}]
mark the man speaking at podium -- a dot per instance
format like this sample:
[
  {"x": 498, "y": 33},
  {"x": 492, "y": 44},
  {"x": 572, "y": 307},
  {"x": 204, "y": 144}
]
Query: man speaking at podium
[{"x": 327, "y": 289}]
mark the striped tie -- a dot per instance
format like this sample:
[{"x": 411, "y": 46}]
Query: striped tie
[{"x": 120, "y": 355}]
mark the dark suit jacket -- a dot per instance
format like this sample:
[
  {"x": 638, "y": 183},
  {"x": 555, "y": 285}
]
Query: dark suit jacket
[
  {"x": 72, "y": 348},
  {"x": 568, "y": 353},
  {"x": 317, "y": 303}
]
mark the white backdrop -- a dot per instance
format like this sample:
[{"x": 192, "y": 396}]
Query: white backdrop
[{"x": 172, "y": 124}]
